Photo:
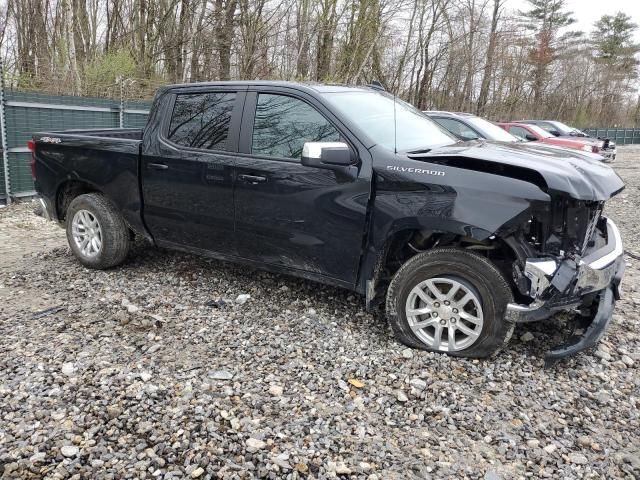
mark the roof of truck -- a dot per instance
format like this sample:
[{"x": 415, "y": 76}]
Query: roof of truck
[{"x": 318, "y": 87}]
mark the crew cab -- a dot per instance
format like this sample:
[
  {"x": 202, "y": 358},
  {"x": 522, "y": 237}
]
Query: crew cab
[{"x": 350, "y": 187}]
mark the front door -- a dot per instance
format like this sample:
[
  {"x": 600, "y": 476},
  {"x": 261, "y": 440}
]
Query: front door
[
  {"x": 187, "y": 173},
  {"x": 521, "y": 132},
  {"x": 294, "y": 216}
]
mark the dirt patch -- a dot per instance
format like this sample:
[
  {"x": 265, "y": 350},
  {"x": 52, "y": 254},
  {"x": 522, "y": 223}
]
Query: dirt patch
[{"x": 24, "y": 233}]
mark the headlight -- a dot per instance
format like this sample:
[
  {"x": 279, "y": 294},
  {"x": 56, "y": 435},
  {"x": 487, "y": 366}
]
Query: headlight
[{"x": 586, "y": 148}]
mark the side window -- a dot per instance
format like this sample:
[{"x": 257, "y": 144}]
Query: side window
[
  {"x": 457, "y": 128},
  {"x": 519, "y": 132},
  {"x": 283, "y": 124},
  {"x": 201, "y": 120}
]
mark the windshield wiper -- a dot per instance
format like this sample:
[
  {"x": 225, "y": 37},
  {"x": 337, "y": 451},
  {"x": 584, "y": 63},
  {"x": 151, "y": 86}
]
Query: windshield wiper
[{"x": 417, "y": 152}]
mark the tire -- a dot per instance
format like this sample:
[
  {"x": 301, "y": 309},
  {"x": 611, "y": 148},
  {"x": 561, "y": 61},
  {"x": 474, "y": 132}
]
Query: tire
[
  {"x": 92, "y": 209},
  {"x": 473, "y": 274}
]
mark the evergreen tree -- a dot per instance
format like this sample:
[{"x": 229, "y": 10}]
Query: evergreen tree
[
  {"x": 546, "y": 18},
  {"x": 613, "y": 43}
]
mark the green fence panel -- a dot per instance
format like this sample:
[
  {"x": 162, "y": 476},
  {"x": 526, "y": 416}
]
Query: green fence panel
[
  {"x": 30, "y": 112},
  {"x": 20, "y": 173},
  {"x": 135, "y": 120},
  {"x": 622, "y": 136},
  {"x": 138, "y": 104},
  {"x": 2, "y": 190},
  {"x": 23, "y": 121},
  {"x": 36, "y": 97},
  {"x": 133, "y": 117}
]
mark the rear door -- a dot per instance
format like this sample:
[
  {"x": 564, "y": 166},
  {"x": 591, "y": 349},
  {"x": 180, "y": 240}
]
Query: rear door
[
  {"x": 294, "y": 216},
  {"x": 187, "y": 169}
]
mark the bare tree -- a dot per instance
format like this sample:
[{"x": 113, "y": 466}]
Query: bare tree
[{"x": 483, "y": 96}]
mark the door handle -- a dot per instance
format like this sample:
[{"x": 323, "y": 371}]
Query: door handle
[
  {"x": 157, "y": 166},
  {"x": 253, "y": 179}
]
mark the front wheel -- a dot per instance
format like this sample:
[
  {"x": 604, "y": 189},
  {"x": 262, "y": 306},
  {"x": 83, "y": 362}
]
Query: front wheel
[
  {"x": 452, "y": 301},
  {"x": 96, "y": 232}
]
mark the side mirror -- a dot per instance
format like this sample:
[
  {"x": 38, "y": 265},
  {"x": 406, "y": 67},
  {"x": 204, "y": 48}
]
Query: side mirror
[
  {"x": 530, "y": 138},
  {"x": 555, "y": 133},
  {"x": 468, "y": 138},
  {"x": 327, "y": 154}
]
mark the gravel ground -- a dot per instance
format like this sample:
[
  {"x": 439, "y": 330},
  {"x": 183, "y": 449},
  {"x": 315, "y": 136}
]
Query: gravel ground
[{"x": 175, "y": 366}]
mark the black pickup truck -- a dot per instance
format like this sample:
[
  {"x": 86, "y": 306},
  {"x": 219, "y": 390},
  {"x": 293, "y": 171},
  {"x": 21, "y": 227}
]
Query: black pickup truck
[{"x": 351, "y": 187}]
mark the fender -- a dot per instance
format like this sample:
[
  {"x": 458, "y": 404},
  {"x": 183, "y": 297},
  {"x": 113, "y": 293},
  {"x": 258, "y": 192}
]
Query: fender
[
  {"x": 458, "y": 201},
  {"x": 462, "y": 201},
  {"x": 112, "y": 171}
]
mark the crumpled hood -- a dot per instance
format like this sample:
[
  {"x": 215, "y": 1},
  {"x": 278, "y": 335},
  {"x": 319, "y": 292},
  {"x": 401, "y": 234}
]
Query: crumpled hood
[{"x": 563, "y": 170}]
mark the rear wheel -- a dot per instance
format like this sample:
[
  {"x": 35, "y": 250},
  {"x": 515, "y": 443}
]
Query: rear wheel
[
  {"x": 96, "y": 232},
  {"x": 452, "y": 301}
]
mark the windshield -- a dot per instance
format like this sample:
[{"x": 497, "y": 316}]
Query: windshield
[
  {"x": 540, "y": 131},
  {"x": 373, "y": 113},
  {"x": 491, "y": 130}
]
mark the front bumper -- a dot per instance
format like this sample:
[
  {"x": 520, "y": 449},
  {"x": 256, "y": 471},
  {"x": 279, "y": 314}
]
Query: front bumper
[
  {"x": 595, "y": 328},
  {"x": 608, "y": 154},
  {"x": 590, "y": 284}
]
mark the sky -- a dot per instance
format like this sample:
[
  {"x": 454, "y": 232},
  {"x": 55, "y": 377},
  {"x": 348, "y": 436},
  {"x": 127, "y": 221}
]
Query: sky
[{"x": 587, "y": 12}]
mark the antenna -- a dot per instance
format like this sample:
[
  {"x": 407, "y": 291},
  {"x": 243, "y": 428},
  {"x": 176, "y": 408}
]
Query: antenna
[{"x": 395, "y": 126}]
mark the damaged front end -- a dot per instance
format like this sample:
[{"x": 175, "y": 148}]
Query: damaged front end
[{"x": 570, "y": 259}]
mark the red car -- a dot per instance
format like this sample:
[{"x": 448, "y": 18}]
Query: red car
[{"x": 533, "y": 133}]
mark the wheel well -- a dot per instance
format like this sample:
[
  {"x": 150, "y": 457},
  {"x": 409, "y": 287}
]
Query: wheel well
[
  {"x": 407, "y": 243},
  {"x": 67, "y": 192}
]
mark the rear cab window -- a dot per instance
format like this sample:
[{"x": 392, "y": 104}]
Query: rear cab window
[{"x": 202, "y": 120}]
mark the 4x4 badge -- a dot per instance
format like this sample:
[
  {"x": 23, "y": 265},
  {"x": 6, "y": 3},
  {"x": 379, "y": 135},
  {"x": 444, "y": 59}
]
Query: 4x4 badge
[{"x": 50, "y": 140}]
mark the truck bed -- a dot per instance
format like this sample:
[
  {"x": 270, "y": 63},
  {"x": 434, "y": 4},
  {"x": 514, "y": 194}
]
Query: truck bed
[{"x": 106, "y": 159}]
